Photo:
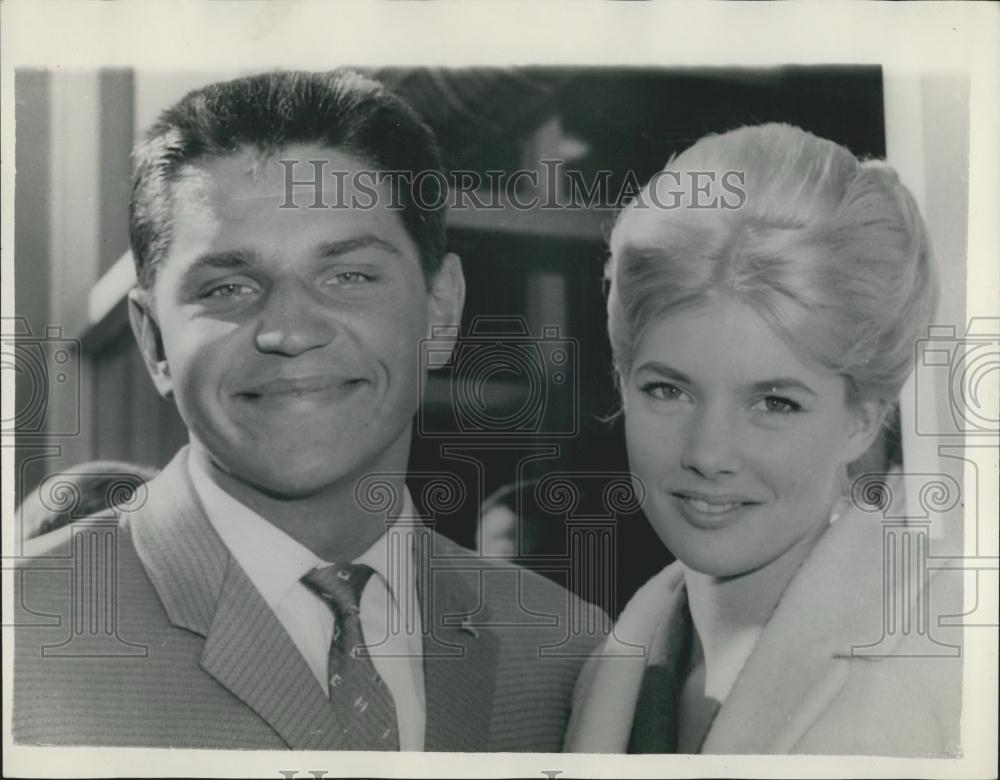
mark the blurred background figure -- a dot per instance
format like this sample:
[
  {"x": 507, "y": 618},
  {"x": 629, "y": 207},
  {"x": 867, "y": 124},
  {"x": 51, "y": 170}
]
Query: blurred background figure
[
  {"x": 497, "y": 534},
  {"x": 82, "y": 491}
]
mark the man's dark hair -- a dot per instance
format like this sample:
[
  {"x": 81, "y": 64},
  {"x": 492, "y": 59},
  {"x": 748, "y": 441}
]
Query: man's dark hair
[{"x": 340, "y": 110}]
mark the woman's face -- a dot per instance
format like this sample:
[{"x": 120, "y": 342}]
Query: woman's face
[{"x": 738, "y": 443}]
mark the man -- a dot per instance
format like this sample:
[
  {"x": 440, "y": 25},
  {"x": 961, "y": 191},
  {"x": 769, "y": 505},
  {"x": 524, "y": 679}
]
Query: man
[{"x": 261, "y": 601}]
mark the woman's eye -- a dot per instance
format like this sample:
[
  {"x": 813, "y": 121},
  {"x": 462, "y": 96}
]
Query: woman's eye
[
  {"x": 663, "y": 391},
  {"x": 775, "y": 404},
  {"x": 230, "y": 290}
]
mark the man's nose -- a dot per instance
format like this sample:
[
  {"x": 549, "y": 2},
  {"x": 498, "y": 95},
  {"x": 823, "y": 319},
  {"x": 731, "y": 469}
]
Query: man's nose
[
  {"x": 711, "y": 445},
  {"x": 294, "y": 320}
]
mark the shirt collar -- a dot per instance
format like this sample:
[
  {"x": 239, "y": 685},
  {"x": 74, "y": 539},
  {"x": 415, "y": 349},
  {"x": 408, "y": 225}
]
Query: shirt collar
[{"x": 273, "y": 560}]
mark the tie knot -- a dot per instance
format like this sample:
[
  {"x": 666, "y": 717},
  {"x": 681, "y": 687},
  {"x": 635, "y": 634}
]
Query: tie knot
[{"x": 340, "y": 585}]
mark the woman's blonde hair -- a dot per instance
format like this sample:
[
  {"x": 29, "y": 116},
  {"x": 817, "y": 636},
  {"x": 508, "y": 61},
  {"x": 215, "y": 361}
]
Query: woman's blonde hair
[{"x": 831, "y": 251}]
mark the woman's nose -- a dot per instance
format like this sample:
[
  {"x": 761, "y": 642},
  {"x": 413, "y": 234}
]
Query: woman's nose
[
  {"x": 294, "y": 321},
  {"x": 710, "y": 449}
]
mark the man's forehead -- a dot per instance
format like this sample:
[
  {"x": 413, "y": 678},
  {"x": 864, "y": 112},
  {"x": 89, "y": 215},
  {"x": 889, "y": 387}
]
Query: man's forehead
[
  {"x": 243, "y": 203},
  {"x": 272, "y": 173}
]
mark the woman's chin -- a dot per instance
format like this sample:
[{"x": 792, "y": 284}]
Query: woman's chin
[{"x": 714, "y": 567}]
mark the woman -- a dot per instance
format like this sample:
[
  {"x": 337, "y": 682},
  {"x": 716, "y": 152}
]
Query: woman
[{"x": 762, "y": 327}]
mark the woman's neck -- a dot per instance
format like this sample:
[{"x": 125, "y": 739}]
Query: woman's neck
[{"x": 729, "y": 612}]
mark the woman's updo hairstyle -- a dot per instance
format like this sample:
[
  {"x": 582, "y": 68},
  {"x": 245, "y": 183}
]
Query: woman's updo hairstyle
[{"x": 830, "y": 251}]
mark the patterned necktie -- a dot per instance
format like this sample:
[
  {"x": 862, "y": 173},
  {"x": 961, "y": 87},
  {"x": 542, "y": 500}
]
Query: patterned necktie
[{"x": 357, "y": 692}]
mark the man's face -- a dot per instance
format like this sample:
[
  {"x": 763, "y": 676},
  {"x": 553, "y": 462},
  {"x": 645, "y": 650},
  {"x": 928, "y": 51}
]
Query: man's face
[{"x": 290, "y": 336}]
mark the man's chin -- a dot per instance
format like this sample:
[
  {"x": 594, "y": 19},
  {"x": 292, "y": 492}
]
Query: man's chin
[
  {"x": 284, "y": 478},
  {"x": 295, "y": 485},
  {"x": 296, "y": 468}
]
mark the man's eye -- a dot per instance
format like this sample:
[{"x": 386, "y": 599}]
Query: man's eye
[
  {"x": 352, "y": 278},
  {"x": 230, "y": 290},
  {"x": 776, "y": 404}
]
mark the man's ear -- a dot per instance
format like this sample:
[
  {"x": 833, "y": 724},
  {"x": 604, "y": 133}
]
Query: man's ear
[
  {"x": 444, "y": 306},
  {"x": 146, "y": 330},
  {"x": 867, "y": 419}
]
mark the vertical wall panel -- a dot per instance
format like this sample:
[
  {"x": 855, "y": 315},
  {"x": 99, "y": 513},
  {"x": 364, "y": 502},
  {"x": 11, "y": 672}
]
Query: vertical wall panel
[
  {"x": 117, "y": 123},
  {"x": 73, "y": 206},
  {"x": 31, "y": 238},
  {"x": 112, "y": 426}
]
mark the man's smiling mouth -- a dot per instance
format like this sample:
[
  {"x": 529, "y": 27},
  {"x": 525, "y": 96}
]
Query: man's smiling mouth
[{"x": 287, "y": 388}]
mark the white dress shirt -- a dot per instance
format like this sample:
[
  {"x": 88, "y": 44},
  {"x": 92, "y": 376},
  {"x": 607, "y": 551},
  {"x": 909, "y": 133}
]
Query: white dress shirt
[{"x": 276, "y": 563}]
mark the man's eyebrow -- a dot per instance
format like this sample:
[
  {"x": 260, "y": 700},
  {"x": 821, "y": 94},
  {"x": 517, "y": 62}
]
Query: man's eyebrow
[
  {"x": 363, "y": 241},
  {"x": 242, "y": 259},
  {"x": 233, "y": 260}
]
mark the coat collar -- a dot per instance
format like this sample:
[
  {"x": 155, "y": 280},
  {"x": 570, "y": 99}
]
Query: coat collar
[
  {"x": 832, "y": 608},
  {"x": 248, "y": 651},
  {"x": 833, "y": 604}
]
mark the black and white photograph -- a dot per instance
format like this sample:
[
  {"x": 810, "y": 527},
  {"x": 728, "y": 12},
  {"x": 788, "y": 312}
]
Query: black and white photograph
[{"x": 558, "y": 390}]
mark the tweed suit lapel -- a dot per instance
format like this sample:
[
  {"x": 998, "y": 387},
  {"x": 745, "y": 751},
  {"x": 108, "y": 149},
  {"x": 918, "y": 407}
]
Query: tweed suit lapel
[
  {"x": 460, "y": 656},
  {"x": 185, "y": 558},
  {"x": 249, "y": 652},
  {"x": 204, "y": 590}
]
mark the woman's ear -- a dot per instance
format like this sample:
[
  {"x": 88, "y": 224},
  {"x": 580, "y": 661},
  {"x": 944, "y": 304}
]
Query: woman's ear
[
  {"x": 867, "y": 418},
  {"x": 146, "y": 330}
]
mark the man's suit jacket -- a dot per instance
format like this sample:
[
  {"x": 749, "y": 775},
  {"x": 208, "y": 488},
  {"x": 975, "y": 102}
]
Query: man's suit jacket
[
  {"x": 171, "y": 645},
  {"x": 809, "y": 686}
]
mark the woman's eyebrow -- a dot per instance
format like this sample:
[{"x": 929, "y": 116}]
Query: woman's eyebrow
[
  {"x": 665, "y": 371},
  {"x": 780, "y": 383},
  {"x": 763, "y": 386}
]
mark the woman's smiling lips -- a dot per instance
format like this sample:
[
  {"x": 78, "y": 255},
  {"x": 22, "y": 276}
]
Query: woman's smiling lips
[{"x": 707, "y": 511}]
